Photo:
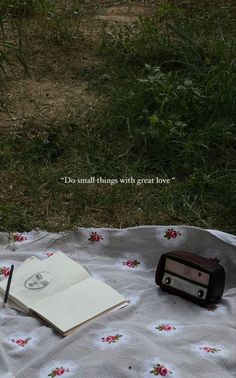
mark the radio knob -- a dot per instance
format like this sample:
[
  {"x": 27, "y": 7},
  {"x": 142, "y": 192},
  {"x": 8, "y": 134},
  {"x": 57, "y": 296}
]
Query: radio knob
[
  {"x": 167, "y": 280},
  {"x": 200, "y": 293}
]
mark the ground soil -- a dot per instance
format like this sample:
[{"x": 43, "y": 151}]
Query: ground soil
[{"x": 55, "y": 87}]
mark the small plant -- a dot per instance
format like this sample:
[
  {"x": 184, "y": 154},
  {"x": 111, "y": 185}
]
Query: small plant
[
  {"x": 61, "y": 22},
  {"x": 58, "y": 21},
  {"x": 134, "y": 43},
  {"x": 21, "y": 8},
  {"x": 24, "y": 8},
  {"x": 177, "y": 35},
  {"x": 10, "y": 48}
]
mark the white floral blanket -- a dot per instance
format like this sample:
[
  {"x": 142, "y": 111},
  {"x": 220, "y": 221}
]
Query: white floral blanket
[{"x": 157, "y": 334}]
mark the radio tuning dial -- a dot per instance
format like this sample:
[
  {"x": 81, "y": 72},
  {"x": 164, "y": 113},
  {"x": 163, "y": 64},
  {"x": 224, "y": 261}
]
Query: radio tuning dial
[
  {"x": 167, "y": 280},
  {"x": 200, "y": 293}
]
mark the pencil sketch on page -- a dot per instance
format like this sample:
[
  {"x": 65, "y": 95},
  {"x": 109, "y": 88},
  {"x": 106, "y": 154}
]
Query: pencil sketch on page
[{"x": 38, "y": 281}]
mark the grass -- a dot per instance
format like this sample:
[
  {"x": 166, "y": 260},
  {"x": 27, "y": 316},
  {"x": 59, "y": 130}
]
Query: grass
[
  {"x": 165, "y": 108},
  {"x": 11, "y": 47}
]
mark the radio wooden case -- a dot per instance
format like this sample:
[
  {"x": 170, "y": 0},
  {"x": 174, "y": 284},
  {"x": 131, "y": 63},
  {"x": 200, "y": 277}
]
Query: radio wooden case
[{"x": 196, "y": 278}]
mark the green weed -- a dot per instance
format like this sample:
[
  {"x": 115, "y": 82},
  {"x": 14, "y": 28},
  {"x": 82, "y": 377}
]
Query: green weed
[
  {"x": 61, "y": 22},
  {"x": 11, "y": 48},
  {"x": 19, "y": 8},
  {"x": 176, "y": 112},
  {"x": 168, "y": 110}
]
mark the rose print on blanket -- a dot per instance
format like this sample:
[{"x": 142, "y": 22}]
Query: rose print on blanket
[
  {"x": 48, "y": 254},
  {"x": 171, "y": 236},
  {"x": 171, "y": 233},
  {"x": 57, "y": 368},
  {"x": 95, "y": 237},
  {"x": 5, "y": 267},
  {"x": 131, "y": 263},
  {"x": 111, "y": 339},
  {"x": 208, "y": 349},
  {"x": 58, "y": 372},
  {"x": 4, "y": 271},
  {"x": 159, "y": 369},
  {"x": 21, "y": 342},
  {"x": 212, "y": 307},
  {"x": 19, "y": 238},
  {"x": 165, "y": 327},
  {"x": 155, "y": 367}
]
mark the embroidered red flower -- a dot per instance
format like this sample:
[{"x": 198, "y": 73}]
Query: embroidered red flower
[
  {"x": 49, "y": 254},
  {"x": 22, "y": 342},
  {"x": 209, "y": 349},
  {"x": 111, "y": 339},
  {"x": 5, "y": 271},
  {"x": 171, "y": 234},
  {"x": 58, "y": 371},
  {"x": 159, "y": 369},
  {"x": 212, "y": 307},
  {"x": 19, "y": 237},
  {"x": 131, "y": 263},
  {"x": 165, "y": 327},
  {"x": 94, "y": 236}
]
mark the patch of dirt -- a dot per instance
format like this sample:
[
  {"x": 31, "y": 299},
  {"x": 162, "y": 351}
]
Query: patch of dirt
[
  {"x": 48, "y": 100},
  {"x": 124, "y": 13},
  {"x": 56, "y": 88}
]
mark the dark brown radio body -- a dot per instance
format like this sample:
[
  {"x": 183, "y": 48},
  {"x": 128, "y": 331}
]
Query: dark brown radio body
[{"x": 196, "y": 278}]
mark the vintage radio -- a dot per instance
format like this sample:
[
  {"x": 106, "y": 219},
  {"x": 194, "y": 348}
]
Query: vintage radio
[{"x": 193, "y": 277}]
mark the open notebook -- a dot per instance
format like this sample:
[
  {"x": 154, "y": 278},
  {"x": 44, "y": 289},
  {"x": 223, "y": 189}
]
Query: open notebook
[{"x": 60, "y": 292}]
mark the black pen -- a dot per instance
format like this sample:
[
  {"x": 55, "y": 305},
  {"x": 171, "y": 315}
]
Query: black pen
[{"x": 8, "y": 286}]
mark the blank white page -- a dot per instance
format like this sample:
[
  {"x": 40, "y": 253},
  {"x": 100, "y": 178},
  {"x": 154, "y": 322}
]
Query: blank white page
[{"x": 78, "y": 304}]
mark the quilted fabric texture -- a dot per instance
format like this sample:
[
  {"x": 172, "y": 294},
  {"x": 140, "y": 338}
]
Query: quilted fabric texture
[{"x": 157, "y": 334}]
